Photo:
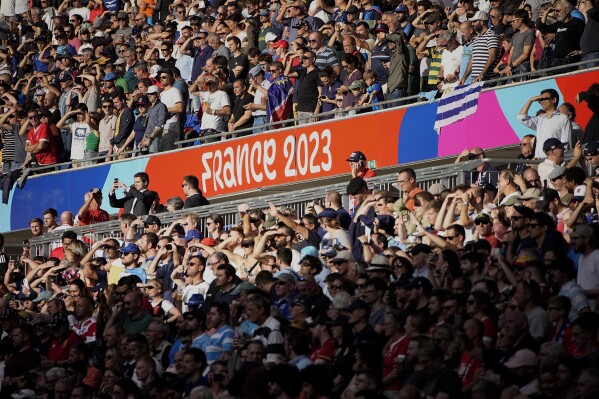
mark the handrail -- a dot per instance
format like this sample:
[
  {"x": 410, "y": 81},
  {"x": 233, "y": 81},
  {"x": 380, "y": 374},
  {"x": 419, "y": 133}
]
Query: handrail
[
  {"x": 449, "y": 174},
  {"x": 396, "y": 102}
]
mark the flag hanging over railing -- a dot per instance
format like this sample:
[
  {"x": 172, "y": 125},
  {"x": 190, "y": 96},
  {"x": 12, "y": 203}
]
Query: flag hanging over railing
[
  {"x": 457, "y": 104},
  {"x": 278, "y": 106}
]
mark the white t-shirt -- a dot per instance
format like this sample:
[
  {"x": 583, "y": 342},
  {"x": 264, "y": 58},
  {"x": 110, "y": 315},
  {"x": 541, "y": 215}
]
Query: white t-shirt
[
  {"x": 170, "y": 98},
  {"x": 217, "y": 100},
  {"x": 83, "y": 11},
  {"x": 7, "y": 7},
  {"x": 190, "y": 290},
  {"x": 342, "y": 237},
  {"x": 259, "y": 96},
  {"x": 79, "y": 131},
  {"x": 450, "y": 60}
]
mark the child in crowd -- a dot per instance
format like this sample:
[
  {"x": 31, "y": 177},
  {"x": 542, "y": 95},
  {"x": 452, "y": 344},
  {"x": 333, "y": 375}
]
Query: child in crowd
[{"x": 374, "y": 91}]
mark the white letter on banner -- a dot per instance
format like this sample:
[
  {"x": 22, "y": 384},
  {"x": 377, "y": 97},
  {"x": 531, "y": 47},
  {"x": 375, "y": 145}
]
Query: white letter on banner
[
  {"x": 302, "y": 154},
  {"x": 270, "y": 153},
  {"x": 326, "y": 150},
  {"x": 229, "y": 172},
  {"x": 207, "y": 174},
  {"x": 289, "y": 152},
  {"x": 314, "y": 137},
  {"x": 217, "y": 166},
  {"x": 242, "y": 164},
  {"x": 256, "y": 159}
]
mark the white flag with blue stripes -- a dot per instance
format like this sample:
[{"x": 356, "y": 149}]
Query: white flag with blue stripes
[{"x": 457, "y": 104}]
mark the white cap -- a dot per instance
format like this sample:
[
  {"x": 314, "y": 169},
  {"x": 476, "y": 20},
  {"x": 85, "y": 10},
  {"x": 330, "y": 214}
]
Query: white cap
[
  {"x": 270, "y": 37},
  {"x": 153, "y": 89}
]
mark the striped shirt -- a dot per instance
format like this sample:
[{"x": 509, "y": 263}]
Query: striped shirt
[
  {"x": 435, "y": 67},
  {"x": 221, "y": 341},
  {"x": 480, "y": 53},
  {"x": 326, "y": 57},
  {"x": 8, "y": 150}
]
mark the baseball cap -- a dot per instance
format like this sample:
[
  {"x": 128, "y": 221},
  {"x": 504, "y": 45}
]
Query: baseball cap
[
  {"x": 480, "y": 16},
  {"x": 153, "y": 89},
  {"x": 513, "y": 200},
  {"x": 436, "y": 189},
  {"x": 193, "y": 234},
  {"x": 129, "y": 249},
  {"x": 338, "y": 321},
  {"x": 263, "y": 13},
  {"x": 420, "y": 248},
  {"x": 356, "y": 84},
  {"x": 245, "y": 286},
  {"x": 270, "y": 37},
  {"x": 286, "y": 276},
  {"x": 356, "y": 185},
  {"x": 43, "y": 296},
  {"x": 119, "y": 61},
  {"x": 143, "y": 100},
  {"x": 327, "y": 213},
  {"x": 121, "y": 15},
  {"x": 551, "y": 144},
  {"x": 65, "y": 77},
  {"x": 482, "y": 217},
  {"x": 255, "y": 71},
  {"x": 524, "y": 211},
  {"x": 356, "y": 156},
  {"x": 584, "y": 230},
  {"x": 281, "y": 44},
  {"x": 530, "y": 193},
  {"x": 381, "y": 27},
  {"x": 357, "y": 304},
  {"x": 549, "y": 196},
  {"x": 401, "y": 8},
  {"x": 352, "y": 9},
  {"x": 421, "y": 282},
  {"x": 522, "y": 358},
  {"x": 40, "y": 92},
  {"x": 302, "y": 300},
  {"x": 558, "y": 171},
  {"x": 110, "y": 76},
  {"x": 591, "y": 149},
  {"x": 301, "y": 24},
  {"x": 343, "y": 256},
  {"x": 211, "y": 242},
  {"x": 579, "y": 193},
  {"x": 151, "y": 219}
]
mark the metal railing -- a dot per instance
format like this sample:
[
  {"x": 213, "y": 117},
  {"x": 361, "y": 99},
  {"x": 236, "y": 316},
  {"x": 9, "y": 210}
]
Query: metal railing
[
  {"x": 449, "y": 175},
  {"x": 404, "y": 102}
]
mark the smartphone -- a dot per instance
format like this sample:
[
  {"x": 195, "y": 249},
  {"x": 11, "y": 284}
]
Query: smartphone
[
  {"x": 116, "y": 180},
  {"x": 168, "y": 247},
  {"x": 323, "y": 97}
]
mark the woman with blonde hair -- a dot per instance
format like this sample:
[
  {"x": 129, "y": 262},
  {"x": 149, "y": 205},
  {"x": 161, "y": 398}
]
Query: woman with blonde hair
[
  {"x": 330, "y": 223},
  {"x": 161, "y": 308}
]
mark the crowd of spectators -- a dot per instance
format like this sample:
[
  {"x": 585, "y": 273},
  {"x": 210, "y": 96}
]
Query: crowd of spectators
[
  {"x": 89, "y": 80},
  {"x": 485, "y": 290}
]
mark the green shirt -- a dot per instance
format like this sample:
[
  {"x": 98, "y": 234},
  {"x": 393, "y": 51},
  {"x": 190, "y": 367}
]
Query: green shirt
[
  {"x": 92, "y": 142},
  {"x": 137, "y": 326},
  {"x": 435, "y": 68}
]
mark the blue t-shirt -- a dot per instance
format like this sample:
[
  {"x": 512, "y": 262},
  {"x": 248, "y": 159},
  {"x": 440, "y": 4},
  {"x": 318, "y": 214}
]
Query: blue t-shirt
[
  {"x": 139, "y": 272},
  {"x": 378, "y": 97}
]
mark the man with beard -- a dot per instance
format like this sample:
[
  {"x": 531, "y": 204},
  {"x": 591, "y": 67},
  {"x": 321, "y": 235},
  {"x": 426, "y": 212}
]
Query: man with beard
[
  {"x": 130, "y": 258},
  {"x": 520, "y": 230},
  {"x": 584, "y": 242},
  {"x": 194, "y": 363},
  {"x": 485, "y": 50},
  {"x": 23, "y": 359},
  {"x": 283, "y": 238},
  {"x": 567, "y": 30}
]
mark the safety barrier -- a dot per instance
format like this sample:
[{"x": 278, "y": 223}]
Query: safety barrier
[
  {"x": 449, "y": 175},
  {"x": 400, "y": 102}
]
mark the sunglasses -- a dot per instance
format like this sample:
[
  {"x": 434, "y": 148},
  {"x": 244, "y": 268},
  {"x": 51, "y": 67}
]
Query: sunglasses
[
  {"x": 279, "y": 283},
  {"x": 337, "y": 287},
  {"x": 513, "y": 218},
  {"x": 479, "y": 222}
]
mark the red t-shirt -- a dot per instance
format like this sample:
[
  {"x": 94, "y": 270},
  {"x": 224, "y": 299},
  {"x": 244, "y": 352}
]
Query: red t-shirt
[
  {"x": 390, "y": 353},
  {"x": 59, "y": 350},
  {"x": 48, "y": 155},
  {"x": 468, "y": 367},
  {"x": 57, "y": 253},
  {"x": 94, "y": 216},
  {"x": 326, "y": 351}
]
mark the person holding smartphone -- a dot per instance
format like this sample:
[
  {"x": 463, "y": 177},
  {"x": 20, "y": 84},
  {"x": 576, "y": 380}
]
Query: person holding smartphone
[{"x": 359, "y": 166}]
